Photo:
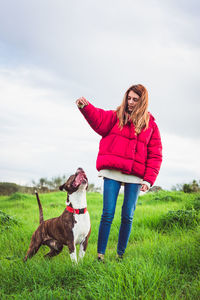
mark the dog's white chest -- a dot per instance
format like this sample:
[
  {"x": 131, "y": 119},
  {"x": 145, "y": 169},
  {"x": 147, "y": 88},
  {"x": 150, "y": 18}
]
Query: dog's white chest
[{"x": 81, "y": 227}]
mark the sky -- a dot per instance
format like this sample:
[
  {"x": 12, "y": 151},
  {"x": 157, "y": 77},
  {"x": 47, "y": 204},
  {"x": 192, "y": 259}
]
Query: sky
[{"x": 53, "y": 52}]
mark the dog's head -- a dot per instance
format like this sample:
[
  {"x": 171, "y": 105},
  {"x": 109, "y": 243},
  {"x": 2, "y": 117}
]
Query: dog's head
[{"x": 76, "y": 181}]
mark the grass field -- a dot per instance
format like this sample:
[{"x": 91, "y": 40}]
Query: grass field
[{"x": 162, "y": 260}]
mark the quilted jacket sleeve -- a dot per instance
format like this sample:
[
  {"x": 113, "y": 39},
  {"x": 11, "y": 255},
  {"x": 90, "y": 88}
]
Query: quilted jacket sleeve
[
  {"x": 100, "y": 120},
  {"x": 154, "y": 156}
]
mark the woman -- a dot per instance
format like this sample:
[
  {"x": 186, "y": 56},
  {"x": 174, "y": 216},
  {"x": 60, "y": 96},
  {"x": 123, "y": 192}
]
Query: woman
[{"x": 130, "y": 153}]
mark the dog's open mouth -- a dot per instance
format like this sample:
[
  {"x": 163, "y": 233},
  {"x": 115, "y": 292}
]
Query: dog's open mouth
[
  {"x": 80, "y": 179},
  {"x": 74, "y": 181}
]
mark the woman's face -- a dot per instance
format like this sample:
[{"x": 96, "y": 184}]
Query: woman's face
[{"x": 132, "y": 99}]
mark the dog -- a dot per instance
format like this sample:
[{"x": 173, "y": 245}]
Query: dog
[{"x": 71, "y": 228}]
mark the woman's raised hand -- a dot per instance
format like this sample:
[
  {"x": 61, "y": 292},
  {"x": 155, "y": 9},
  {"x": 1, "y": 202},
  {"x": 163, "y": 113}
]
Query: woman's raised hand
[{"x": 81, "y": 102}]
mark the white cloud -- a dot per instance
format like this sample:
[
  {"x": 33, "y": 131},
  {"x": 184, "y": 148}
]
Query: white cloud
[
  {"x": 39, "y": 133},
  {"x": 181, "y": 162}
]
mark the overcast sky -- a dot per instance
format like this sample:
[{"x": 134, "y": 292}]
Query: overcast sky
[{"x": 53, "y": 52}]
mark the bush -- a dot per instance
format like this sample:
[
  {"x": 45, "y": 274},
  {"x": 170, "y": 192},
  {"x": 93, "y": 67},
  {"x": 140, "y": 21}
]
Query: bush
[
  {"x": 7, "y": 221},
  {"x": 193, "y": 187},
  {"x": 155, "y": 189},
  {"x": 194, "y": 204},
  {"x": 180, "y": 218},
  {"x": 7, "y": 188}
]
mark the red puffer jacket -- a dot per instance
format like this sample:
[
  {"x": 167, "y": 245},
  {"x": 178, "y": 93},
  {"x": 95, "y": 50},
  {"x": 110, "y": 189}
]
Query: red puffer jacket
[{"x": 139, "y": 155}]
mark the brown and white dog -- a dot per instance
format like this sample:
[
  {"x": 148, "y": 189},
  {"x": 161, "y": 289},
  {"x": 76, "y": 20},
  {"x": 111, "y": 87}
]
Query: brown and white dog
[{"x": 71, "y": 228}]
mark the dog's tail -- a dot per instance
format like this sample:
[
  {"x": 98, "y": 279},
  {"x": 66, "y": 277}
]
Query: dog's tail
[{"x": 40, "y": 207}]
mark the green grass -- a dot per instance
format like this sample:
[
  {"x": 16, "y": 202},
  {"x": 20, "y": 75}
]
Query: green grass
[{"x": 162, "y": 260}]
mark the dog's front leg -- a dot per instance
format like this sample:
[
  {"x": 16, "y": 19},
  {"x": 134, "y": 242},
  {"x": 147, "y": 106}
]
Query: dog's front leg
[
  {"x": 83, "y": 246},
  {"x": 73, "y": 256},
  {"x": 72, "y": 251},
  {"x": 81, "y": 251}
]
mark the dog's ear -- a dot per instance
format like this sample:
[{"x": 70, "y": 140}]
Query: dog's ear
[
  {"x": 65, "y": 187},
  {"x": 61, "y": 187},
  {"x": 67, "y": 184}
]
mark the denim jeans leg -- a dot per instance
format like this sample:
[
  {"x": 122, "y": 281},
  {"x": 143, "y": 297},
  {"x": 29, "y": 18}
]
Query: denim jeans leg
[
  {"x": 131, "y": 192},
  {"x": 110, "y": 194}
]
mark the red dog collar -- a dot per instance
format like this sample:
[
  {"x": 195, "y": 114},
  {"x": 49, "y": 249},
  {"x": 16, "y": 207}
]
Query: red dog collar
[{"x": 76, "y": 211}]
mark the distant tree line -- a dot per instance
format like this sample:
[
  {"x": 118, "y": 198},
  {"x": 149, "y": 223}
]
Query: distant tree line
[
  {"x": 193, "y": 187},
  {"x": 48, "y": 185},
  {"x": 43, "y": 185},
  {"x": 8, "y": 188}
]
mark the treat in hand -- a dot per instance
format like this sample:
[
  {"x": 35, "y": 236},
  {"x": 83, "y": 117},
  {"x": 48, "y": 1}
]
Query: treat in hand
[{"x": 81, "y": 102}]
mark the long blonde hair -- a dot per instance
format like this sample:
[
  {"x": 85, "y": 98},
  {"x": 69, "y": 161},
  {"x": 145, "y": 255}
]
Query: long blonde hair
[{"x": 139, "y": 116}]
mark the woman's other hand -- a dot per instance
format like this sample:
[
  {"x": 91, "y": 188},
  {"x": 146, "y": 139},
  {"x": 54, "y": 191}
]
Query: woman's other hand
[
  {"x": 81, "y": 102},
  {"x": 144, "y": 188}
]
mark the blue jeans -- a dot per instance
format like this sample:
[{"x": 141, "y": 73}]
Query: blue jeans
[{"x": 110, "y": 194}]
